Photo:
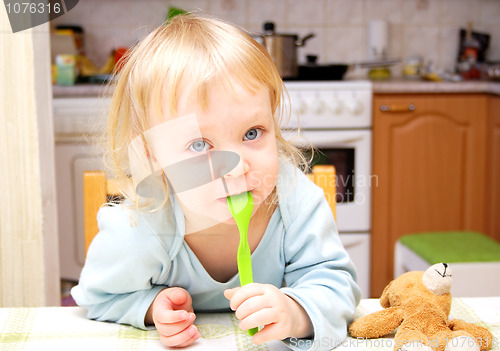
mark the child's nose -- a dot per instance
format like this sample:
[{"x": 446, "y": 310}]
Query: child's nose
[{"x": 241, "y": 168}]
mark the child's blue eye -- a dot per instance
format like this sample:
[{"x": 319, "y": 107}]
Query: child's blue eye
[
  {"x": 253, "y": 134},
  {"x": 199, "y": 146}
]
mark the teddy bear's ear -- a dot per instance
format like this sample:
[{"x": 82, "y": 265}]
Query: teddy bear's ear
[{"x": 384, "y": 298}]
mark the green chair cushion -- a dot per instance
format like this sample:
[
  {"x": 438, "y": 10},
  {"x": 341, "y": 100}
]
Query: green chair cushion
[{"x": 453, "y": 246}]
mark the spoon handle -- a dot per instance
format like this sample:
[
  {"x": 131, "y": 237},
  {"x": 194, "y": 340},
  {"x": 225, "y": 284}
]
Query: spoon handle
[
  {"x": 244, "y": 261},
  {"x": 241, "y": 208}
]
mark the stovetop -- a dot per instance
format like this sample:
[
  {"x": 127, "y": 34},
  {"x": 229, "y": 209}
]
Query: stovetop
[{"x": 329, "y": 104}]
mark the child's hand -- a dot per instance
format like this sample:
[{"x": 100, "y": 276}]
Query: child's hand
[
  {"x": 264, "y": 304},
  {"x": 173, "y": 317}
]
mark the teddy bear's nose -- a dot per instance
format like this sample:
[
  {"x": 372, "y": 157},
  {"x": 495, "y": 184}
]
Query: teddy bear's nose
[
  {"x": 444, "y": 271},
  {"x": 438, "y": 278}
]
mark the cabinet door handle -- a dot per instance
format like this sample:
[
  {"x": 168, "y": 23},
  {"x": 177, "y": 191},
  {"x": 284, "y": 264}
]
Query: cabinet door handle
[{"x": 397, "y": 108}]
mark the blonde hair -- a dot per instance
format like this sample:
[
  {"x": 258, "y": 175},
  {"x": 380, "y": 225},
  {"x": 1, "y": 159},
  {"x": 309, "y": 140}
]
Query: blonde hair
[{"x": 198, "y": 49}]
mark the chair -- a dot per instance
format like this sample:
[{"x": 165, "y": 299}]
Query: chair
[
  {"x": 324, "y": 177},
  {"x": 473, "y": 257},
  {"x": 97, "y": 190}
]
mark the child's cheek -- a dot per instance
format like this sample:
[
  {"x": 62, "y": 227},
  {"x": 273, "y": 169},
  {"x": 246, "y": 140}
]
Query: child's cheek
[{"x": 264, "y": 181}]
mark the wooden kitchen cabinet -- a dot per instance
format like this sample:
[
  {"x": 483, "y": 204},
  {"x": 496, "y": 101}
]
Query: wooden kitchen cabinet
[
  {"x": 493, "y": 170},
  {"x": 430, "y": 170}
]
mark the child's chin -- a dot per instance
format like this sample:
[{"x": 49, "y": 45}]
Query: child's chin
[{"x": 230, "y": 221}]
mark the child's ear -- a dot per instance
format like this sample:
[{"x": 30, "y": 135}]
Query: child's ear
[{"x": 384, "y": 298}]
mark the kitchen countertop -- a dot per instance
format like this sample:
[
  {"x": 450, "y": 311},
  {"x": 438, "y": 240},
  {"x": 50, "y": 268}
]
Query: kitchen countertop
[
  {"x": 403, "y": 86},
  {"x": 393, "y": 86},
  {"x": 79, "y": 90}
]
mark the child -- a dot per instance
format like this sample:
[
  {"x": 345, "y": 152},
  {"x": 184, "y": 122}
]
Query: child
[{"x": 194, "y": 94}]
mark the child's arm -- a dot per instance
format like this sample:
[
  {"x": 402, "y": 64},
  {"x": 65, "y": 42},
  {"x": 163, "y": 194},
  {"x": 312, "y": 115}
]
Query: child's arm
[{"x": 123, "y": 265}]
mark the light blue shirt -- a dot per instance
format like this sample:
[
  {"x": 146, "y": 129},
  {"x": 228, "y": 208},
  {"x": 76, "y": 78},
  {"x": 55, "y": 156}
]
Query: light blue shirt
[{"x": 136, "y": 254}]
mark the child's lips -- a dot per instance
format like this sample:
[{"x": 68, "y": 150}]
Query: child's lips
[{"x": 224, "y": 198}]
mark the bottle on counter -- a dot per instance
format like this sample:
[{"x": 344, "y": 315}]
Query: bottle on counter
[
  {"x": 66, "y": 72},
  {"x": 467, "y": 66}
]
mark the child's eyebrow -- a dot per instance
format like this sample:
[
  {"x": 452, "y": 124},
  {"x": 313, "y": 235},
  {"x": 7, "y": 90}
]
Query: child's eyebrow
[
  {"x": 262, "y": 114},
  {"x": 260, "y": 117}
]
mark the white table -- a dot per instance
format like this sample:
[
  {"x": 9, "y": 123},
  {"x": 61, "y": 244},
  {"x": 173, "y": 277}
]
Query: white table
[{"x": 67, "y": 328}]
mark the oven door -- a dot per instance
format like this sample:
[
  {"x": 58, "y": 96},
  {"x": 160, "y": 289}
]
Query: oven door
[{"x": 350, "y": 153}]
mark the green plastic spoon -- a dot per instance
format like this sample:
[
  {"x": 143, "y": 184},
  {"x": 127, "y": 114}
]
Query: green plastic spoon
[{"x": 241, "y": 207}]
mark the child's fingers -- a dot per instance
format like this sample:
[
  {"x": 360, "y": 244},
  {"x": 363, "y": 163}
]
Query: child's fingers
[
  {"x": 251, "y": 306},
  {"x": 243, "y": 294},
  {"x": 191, "y": 340},
  {"x": 171, "y": 329},
  {"x": 178, "y": 297},
  {"x": 167, "y": 316},
  {"x": 260, "y": 317},
  {"x": 181, "y": 339},
  {"x": 268, "y": 333},
  {"x": 229, "y": 293},
  {"x": 175, "y": 299}
]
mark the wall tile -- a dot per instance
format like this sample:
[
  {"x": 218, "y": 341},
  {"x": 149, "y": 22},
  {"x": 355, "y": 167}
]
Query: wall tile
[
  {"x": 460, "y": 11},
  {"x": 489, "y": 12},
  {"x": 79, "y": 15},
  {"x": 347, "y": 44},
  {"x": 99, "y": 45},
  {"x": 342, "y": 12},
  {"x": 229, "y": 10},
  {"x": 424, "y": 27},
  {"x": 260, "y": 11},
  {"x": 388, "y": 10},
  {"x": 396, "y": 42},
  {"x": 197, "y": 6},
  {"x": 119, "y": 14},
  {"x": 305, "y": 13},
  {"x": 424, "y": 12},
  {"x": 422, "y": 41}
]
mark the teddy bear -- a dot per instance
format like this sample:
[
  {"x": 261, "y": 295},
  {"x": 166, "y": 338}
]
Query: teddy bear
[{"x": 418, "y": 304}]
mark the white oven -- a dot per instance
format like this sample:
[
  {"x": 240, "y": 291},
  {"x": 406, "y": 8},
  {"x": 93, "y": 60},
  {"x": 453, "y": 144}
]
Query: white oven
[
  {"x": 336, "y": 118},
  {"x": 349, "y": 151}
]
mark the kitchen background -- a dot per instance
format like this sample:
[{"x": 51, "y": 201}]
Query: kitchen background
[{"x": 427, "y": 28}]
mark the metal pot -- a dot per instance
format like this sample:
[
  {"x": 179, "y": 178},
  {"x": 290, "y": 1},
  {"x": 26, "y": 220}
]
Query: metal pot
[{"x": 283, "y": 49}]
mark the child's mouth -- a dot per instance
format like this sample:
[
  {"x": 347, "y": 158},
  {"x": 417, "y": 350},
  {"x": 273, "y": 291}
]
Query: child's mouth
[{"x": 224, "y": 199}]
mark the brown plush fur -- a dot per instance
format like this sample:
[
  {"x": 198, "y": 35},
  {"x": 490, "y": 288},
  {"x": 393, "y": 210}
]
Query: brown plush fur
[{"x": 420, "y": 315}]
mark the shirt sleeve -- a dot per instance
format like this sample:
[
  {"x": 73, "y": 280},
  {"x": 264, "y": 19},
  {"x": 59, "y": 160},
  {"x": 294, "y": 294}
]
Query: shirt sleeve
[
  {"x": 125, "y": 261},
  {"x": 319, "y": 273}
]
